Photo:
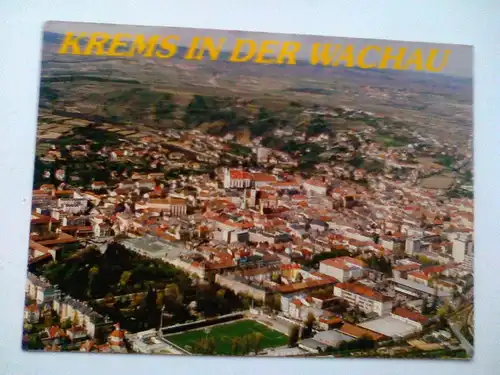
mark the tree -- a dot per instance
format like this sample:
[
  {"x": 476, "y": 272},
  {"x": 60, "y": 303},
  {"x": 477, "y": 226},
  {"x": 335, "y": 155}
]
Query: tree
[
  {"x": 276, "y": 278},
  {"x": 326, "y": 255},
  {"x": 163, "y": 108},
  {"x": 425, "y": 306},
  {"x": 426, "y": 261},
  {"x": 317, "y": 126},
  {"x": 235, "y": 342},
  {"x": 159, "y": 299},
  {"x": 363, "y": 342},
  {"x": 91, "y": 276},
  {"x": 293, "y": 335},
  {"x": 172, "y": 291},
  {"x": 35, "y": 343},
  {"x": 47, "y": 321},
  {"x": 257, "y": 342},
  {"x": 67, "y": 323},
  {"x": 351, "y": 317},
  {"x": 76, "y": 321},
  {"x": 308, "y": 325},
  {"x": 200, "y": 346},
  {"x": 456, "y": 293},
  {"x": 124, "y": 278},
  {"x": 380, "y": 264},
  {"x": 109, "y": 299},
  {"x": 265, "y": 122},
  {"x": 136, "y": 300},
  {"x": 274, "y": 302},
  {"x": 299, "y": 278},
  {"x": 343, "y": 345},
  {"x": 199, "y": 110},
  {"x": 246, "y": 301},
  {"x": 444, "y": 310},
  {"x": 220, "y": 293},
  {"x": 246, "y": 344},
  {"x": 151, "y": 306},
  {"x": 211, "y": 346}
]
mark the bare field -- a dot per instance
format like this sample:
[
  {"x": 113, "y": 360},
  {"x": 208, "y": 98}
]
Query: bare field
[{"x": 437, "y": 182}]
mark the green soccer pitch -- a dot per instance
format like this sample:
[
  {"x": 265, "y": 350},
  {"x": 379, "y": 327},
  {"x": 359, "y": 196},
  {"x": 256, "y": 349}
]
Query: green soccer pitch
[{"x": 224, "y": 334}]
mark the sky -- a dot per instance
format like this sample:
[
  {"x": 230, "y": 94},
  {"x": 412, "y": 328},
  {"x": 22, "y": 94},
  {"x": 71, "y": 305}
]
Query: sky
[{"x": 459, "y": 62}]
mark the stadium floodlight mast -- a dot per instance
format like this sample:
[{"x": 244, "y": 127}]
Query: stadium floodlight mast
[
  {"x": 207, "y": 331},
  {"x": 160, "y": 332}
]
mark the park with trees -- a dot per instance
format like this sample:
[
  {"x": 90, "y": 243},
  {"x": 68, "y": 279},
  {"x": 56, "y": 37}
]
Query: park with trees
[{"x": 133, "y": 289}]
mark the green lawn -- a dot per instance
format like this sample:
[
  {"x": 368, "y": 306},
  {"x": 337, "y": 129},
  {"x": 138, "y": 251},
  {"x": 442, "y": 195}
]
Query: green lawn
[
  {"x": 390, "y": 141},
  {"x": 223, "y": 335}
]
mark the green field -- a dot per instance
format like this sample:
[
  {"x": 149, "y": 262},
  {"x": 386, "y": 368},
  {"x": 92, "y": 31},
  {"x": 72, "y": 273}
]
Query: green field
[
  {"x": 224, "y": 334},
  {"x": 388, "y": 141}
]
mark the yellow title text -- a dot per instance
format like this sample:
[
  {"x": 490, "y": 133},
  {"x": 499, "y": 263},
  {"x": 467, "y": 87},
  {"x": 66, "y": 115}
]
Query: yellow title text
[{"x": 259, "y": 52}]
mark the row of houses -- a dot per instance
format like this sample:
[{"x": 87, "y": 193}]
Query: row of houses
[{"x": 47, "y": 296}]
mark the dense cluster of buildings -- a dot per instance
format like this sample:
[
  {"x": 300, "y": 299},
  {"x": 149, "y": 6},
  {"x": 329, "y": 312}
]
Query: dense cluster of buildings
[{"x": 379, "y": 252}]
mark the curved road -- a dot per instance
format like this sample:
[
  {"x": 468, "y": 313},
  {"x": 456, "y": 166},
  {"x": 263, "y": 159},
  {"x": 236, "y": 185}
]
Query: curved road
[{"x": 470, "y": 322}]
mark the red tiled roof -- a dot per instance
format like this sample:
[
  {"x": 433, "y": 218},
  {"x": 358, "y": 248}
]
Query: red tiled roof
[
  {"x": 263, "y": 177},
  {"x": 306, "y": 284},
  {"x": 54, "y": 331},
  {"x": 118, "y": 333},
  {"x": 411, "y": 315},
  {"x": 356, "y": 331},
  {"x": 343, "y": 262},
  {"x": 419, "y": 275},
  {"x": 435, "y": 269},
  {"x": 236, "y": 174},
  {"x": 292, "y": 266},
  {"x": 362, "y": 290},
  {"x": 332, "y": 320},
  {"x": 316, "y": 183},
  {"x": 43, "y": 219},
  {"x": 407, "y": 267}
]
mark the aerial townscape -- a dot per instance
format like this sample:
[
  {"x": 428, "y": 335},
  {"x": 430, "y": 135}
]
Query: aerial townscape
[{"x": 203, "y": 208}]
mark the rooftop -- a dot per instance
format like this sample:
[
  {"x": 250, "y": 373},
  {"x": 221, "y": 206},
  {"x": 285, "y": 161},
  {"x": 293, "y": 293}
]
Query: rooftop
[
  {"x": 154, "y": 246},
  {"x": 363, "y": 290},
  {"x": 418, "y": 287},
  {"x": 389, "y": 326},
  {"x": 358, "y": 331},
  {"x": 345, "y": 263}
]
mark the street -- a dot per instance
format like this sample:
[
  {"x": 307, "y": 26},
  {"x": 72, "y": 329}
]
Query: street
[{"x": 278, "y": 324}]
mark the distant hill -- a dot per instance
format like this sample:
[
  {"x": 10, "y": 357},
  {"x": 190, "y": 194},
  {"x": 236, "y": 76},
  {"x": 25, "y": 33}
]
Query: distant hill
[
  {"x": 55, "y": 38},
  {"x": 414, "y": 81},
  {"x": 52, "y": 38}
]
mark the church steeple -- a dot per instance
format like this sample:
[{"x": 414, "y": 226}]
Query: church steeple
[{"x": 244, "y": 204}]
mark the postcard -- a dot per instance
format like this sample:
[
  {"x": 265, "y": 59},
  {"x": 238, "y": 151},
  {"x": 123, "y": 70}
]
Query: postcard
[{"x": 232, "y": 193}]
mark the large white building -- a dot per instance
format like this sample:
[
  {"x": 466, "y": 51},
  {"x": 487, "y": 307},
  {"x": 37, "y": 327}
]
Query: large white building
[
  {"x": 263, "y": 154},
  {"x": 235, "y": 178},
  {"x": 40, "y": 289},
  {"x": 172, "y": 206},
  {"x": 399, "y": 324},
  {"x": 262, "y": 179},
  {"x": 343, "y": 268},
  {"x": 72, "y": 205},
  {"x": 413, "y": 245},
  {"x": 68, "y": 307},
  {"x": 463, "y": 246},
  {"x": 365, "y": 298},
  {"x": 315, "y": 187}
]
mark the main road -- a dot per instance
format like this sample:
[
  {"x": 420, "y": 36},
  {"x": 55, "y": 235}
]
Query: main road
[
  {"x": 278, "y": 324},
  {"x": 470, "y": 322}
]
